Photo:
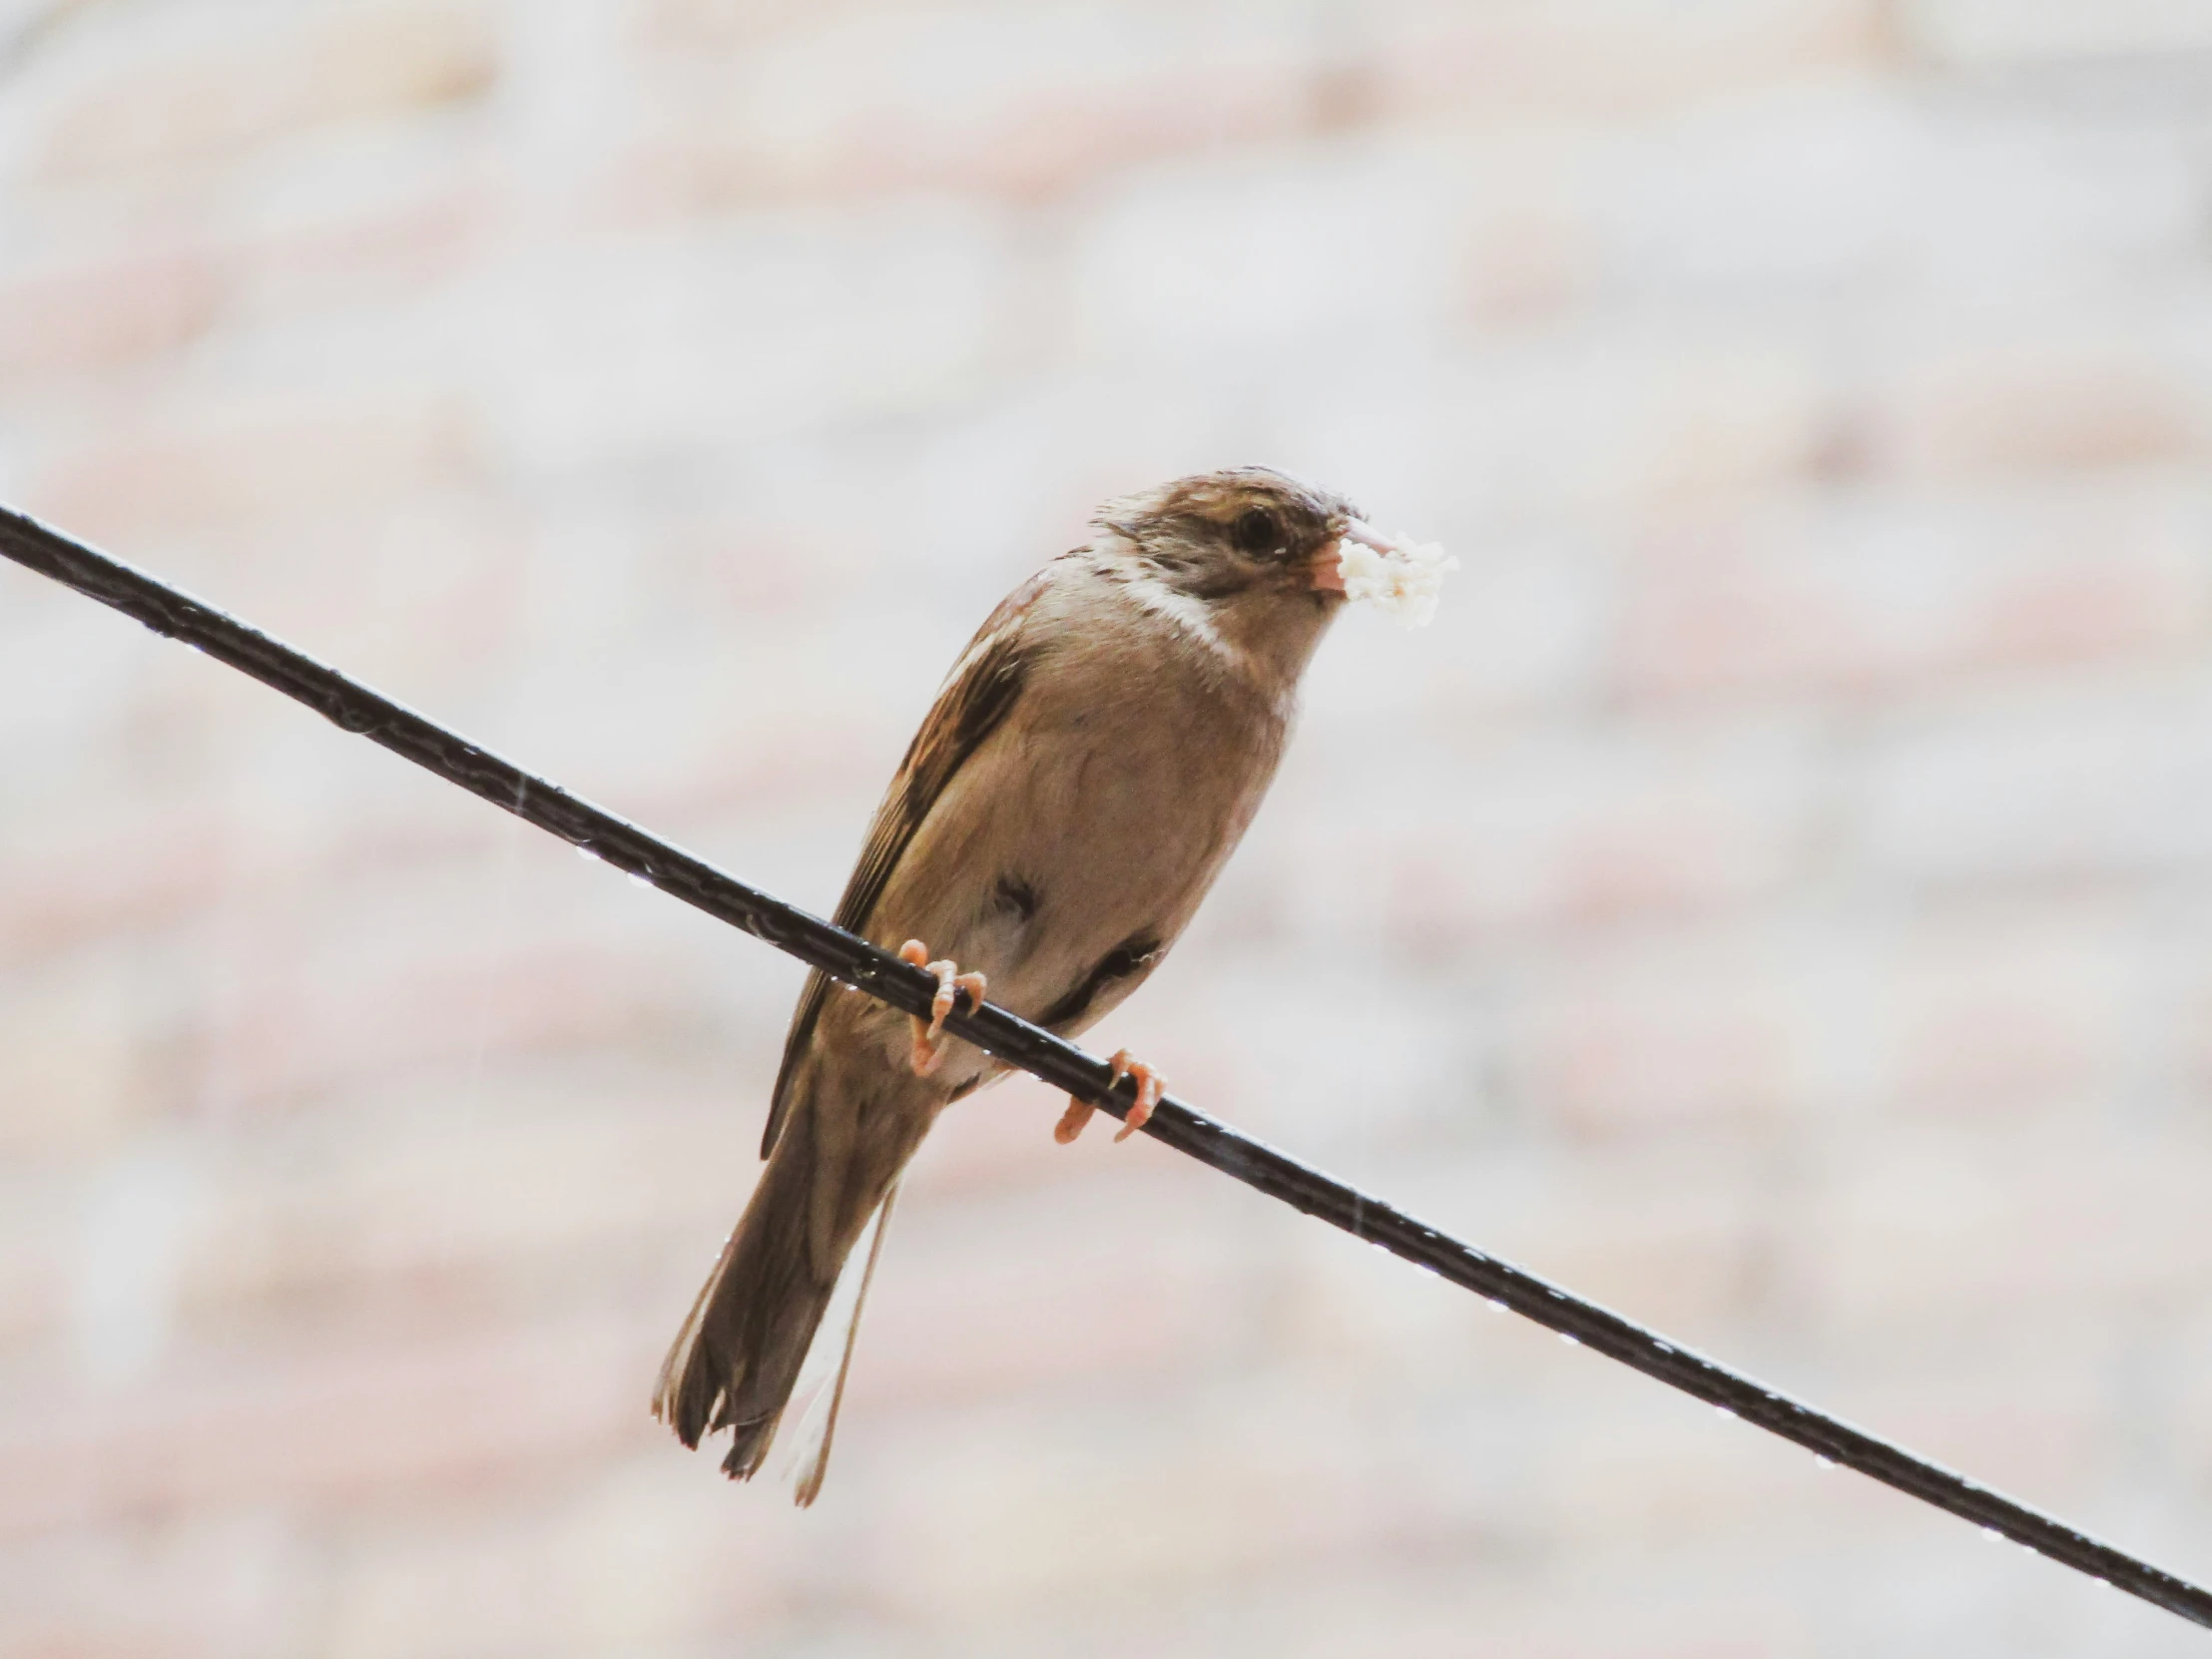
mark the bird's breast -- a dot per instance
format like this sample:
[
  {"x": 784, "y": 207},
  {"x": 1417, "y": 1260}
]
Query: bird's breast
[{"x": 1100, "y": 813}]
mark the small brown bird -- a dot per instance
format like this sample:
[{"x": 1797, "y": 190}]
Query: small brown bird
[{"x": 1092, "y": 760}]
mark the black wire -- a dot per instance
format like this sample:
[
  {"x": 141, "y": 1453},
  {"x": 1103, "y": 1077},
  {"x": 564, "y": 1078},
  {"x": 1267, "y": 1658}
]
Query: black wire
[{"x": 355, "y": 708}]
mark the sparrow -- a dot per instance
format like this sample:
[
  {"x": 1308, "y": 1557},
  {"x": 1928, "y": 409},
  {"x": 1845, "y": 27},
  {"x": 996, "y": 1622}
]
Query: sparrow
[{"x": 1091, "y": 762}]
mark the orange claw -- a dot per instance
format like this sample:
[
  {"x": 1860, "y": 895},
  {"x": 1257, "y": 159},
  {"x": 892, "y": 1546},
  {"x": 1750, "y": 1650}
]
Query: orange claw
[
  {"x": 1150, "y": 1087},
  {"x": 929, "y": 1033}
]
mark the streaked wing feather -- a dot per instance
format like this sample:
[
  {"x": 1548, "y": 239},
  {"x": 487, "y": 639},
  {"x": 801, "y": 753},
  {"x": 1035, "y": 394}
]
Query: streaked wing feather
[{"x": 984, "y": 686}]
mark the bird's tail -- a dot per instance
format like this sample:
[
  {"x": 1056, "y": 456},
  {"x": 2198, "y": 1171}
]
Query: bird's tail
[{"x": 757, "y": 1328}]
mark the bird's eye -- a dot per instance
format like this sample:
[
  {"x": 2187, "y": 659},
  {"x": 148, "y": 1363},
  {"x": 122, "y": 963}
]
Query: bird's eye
[{"x": 1257, "y": 532}]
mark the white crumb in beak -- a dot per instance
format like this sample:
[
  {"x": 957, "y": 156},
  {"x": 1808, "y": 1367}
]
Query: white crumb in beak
[{"x": 1401, "y": 578}]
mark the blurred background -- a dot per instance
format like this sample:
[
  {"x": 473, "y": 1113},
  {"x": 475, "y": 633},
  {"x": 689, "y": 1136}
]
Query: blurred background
[{"x": 1772, "y": 898}]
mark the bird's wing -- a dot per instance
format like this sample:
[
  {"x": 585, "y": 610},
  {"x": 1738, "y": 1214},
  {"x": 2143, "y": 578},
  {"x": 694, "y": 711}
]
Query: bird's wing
[{"x": 984, "y": 686}]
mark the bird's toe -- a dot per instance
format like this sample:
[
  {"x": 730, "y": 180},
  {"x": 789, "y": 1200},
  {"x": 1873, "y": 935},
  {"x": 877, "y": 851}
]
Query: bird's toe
[
  {"x": 930, "y": 1042},
  {"x": 1150, "y": 1087}
]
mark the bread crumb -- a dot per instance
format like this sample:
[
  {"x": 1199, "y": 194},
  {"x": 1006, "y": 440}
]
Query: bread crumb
[{"x": 1403, "y": 578}]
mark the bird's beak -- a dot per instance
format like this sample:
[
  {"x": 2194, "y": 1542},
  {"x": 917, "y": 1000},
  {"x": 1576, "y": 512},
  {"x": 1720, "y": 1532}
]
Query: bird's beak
[{"x": 1327, "y": 566}]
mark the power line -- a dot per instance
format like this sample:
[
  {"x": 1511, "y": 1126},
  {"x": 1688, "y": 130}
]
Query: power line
[{"x": 355, "y": 708}]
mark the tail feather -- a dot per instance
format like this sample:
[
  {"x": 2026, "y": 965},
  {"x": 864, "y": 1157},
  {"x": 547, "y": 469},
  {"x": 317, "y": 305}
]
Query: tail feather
[
  {"x": 818, "y": 1425},
  {"x": 738, "y": 1356}
]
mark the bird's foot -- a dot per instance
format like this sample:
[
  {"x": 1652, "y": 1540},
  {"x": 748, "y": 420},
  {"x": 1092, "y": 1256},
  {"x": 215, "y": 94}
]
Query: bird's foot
[
  {"x": 929, "y": 1033},
  {"x": 1150, "y": 1087}
]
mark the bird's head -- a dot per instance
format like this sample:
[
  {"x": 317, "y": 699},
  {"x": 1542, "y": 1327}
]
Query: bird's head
[{"x": 1247, "y": 539}]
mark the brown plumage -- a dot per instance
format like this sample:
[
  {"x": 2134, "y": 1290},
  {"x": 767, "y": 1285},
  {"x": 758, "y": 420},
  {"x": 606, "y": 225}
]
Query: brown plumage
[{"x": 1093, "y": 759}]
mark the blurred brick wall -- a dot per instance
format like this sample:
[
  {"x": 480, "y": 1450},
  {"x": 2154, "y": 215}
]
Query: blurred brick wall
[{"x": 1774, "y": 898}]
